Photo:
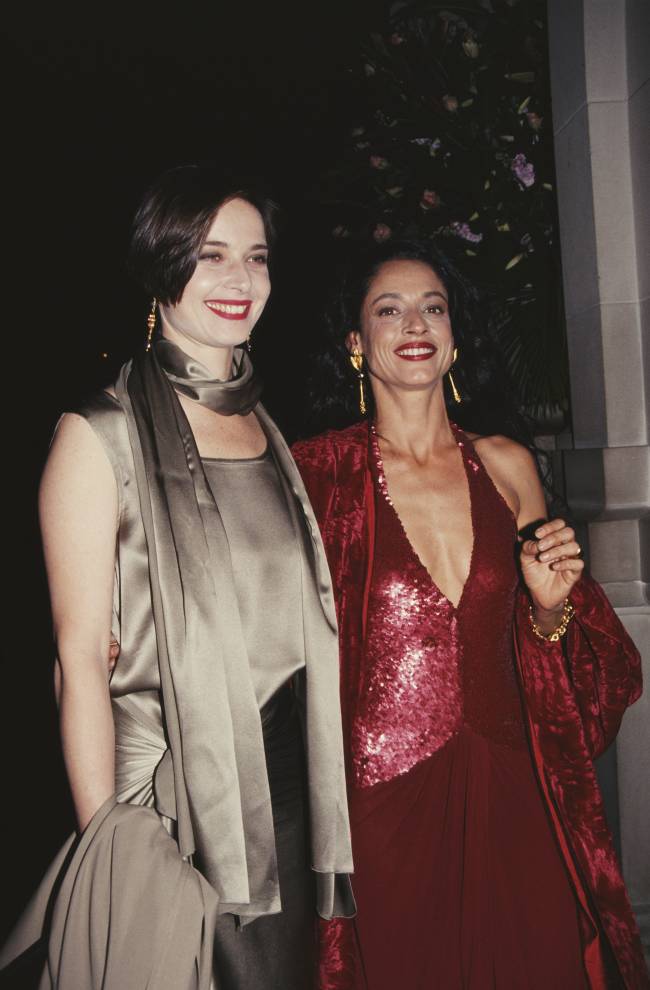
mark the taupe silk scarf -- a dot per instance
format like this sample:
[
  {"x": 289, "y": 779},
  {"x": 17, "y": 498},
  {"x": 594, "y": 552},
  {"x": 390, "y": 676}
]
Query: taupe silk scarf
[
  {"x": 237, "y": 395},
  {"x": 221, "y": 791}
]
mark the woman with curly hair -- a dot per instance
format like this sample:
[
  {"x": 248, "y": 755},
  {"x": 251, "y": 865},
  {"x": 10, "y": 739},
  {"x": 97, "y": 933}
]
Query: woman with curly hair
[{"x": 481, "y": 670}]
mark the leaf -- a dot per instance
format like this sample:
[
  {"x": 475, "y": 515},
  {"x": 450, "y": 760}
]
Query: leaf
[
  {"x": 524, "y": 77},
  {"x": 407, "y": 85}
]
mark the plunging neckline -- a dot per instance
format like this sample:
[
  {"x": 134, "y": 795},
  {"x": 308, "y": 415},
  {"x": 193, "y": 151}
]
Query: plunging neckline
[{"x": 469, "y": 466}]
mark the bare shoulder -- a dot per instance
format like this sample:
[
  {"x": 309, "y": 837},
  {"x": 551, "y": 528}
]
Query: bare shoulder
[
  {"x": 77, "y": 466},
  {"x": 513, "y": 469},
  {"x": 74, "y": 437},
  {"x": 505, "y": 454}
]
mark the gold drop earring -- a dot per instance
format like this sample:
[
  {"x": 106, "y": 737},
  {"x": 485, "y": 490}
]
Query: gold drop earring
[
  {"x": 249, "y": 342},
  {"x": 356, "y": 360},
  {"x": 455, "y": 392},
  {"x": 151, "y": 323}
]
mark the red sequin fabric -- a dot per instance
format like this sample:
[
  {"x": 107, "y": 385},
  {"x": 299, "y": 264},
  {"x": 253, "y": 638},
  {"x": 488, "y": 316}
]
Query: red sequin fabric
[{"x": 422, "y": 682}]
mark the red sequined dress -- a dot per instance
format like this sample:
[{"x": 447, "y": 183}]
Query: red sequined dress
[{"x": 458, "y": 880}]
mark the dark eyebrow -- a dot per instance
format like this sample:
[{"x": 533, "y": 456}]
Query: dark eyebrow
[
  {"x": 397, "y": 295},
  {"x": 254, "y": 247}
]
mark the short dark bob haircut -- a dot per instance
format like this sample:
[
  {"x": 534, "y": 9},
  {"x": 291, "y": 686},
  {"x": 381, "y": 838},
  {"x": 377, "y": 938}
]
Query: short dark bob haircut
[
  {"x": 488, "y": 404},
  {"x": 173, "y": 221}
]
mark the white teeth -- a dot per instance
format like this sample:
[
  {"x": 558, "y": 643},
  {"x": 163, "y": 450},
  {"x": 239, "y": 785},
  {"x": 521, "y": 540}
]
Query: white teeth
[
  {"x": 416, "y": 350},
  {"x": 227, "y": 308}
]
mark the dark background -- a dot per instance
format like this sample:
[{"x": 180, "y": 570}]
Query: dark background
[{"x": 96, "y": 103}]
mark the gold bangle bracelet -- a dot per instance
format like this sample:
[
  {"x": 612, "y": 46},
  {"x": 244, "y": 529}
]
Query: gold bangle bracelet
[{"x": 568, "y": 612}]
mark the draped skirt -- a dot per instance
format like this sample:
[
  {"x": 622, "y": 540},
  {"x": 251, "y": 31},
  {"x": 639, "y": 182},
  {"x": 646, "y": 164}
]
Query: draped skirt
[
  {"x": 119, "y": 909},
  {"x": 458, "y": 880}
]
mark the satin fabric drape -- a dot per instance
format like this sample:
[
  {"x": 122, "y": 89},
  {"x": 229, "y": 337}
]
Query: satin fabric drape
[
  {"x": 126, "y": 863},
  {"x": 119, "y": 909},
  {"x": 237, "y": 395},
  {"x": 210, "y": 706}
]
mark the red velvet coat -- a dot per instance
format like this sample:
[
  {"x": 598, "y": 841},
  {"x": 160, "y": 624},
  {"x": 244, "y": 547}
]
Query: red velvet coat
[{"x": 574, "y": 698}]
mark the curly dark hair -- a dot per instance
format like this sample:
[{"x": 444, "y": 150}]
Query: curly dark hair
[{"x": 488, "y": 400}]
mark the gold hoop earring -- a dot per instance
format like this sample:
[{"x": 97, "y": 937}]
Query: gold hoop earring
[
  {"x": 151, "y": 323},
  {"x": 356, "y": 360},
  {"x": 454, "y": 390}
]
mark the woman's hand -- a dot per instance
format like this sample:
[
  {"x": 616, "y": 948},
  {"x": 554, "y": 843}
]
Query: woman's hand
[{"x": 550, "y": 566}]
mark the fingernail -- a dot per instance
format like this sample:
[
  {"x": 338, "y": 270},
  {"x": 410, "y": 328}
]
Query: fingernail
[{"x": 543, "y": 556}]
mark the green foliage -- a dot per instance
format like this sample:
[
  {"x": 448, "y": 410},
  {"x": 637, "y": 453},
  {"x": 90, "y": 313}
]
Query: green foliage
[{"x": 456, "y": 144}]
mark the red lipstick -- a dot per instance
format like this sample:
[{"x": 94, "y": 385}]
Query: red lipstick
[
  {"x": 230, "y": 309},
  {"x": 414, "y": 351}
]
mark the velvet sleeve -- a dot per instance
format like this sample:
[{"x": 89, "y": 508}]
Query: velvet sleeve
[
  {"x": 317, "y": 463},
  {"x": 590, "y": 677},
  {"x": 317, "y": 466}
]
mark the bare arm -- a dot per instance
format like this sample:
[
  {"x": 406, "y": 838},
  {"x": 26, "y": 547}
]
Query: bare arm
[
  {"x": 78, "y": 511},
  {"x": 550, "y": 564}
]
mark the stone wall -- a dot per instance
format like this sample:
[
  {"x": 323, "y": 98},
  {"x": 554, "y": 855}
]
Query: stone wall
[{"x": 600, "y": 72}]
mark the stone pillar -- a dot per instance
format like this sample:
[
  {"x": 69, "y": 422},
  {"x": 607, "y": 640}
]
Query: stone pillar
[{"x": 600, "y": 74}]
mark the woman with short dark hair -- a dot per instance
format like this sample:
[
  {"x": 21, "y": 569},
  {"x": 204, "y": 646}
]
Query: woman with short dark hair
[
  {"x": 481, "y": 672},
  {"x": 174, "y": 520}
]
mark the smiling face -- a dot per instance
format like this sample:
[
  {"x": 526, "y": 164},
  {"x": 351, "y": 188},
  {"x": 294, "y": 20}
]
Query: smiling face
[
  {"x": 228, "y": 290},
  {"x": 405, "y": 332}
]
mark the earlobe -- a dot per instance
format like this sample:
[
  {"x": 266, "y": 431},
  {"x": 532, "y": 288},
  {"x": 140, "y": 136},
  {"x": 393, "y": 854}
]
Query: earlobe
[{"x": 353, "y": 341}]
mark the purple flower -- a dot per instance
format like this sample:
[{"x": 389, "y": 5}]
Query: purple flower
[
  {"x": 432, "y": 144},
  {"x": 524, "y": 170},
  {"x": 463, "y": 231}
]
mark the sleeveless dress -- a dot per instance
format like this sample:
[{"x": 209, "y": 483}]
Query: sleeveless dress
[
  {"x": 458, "y": 880},
  {"x": 119, "y": 907}
]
